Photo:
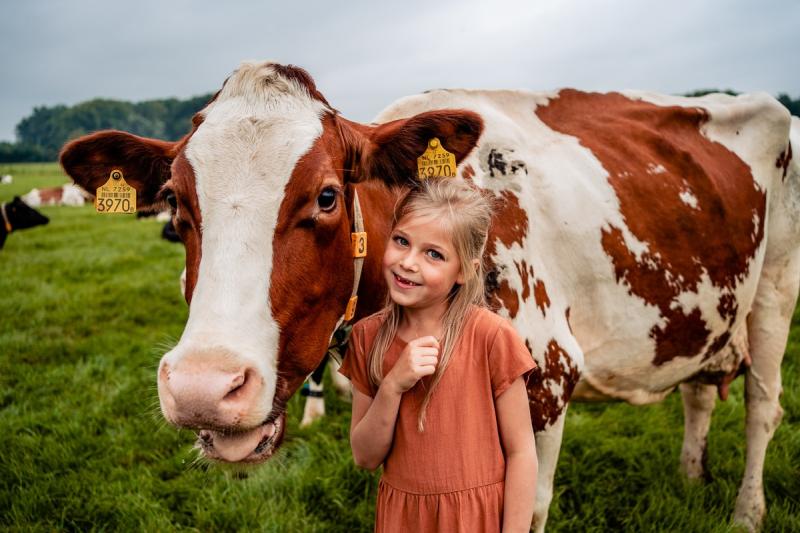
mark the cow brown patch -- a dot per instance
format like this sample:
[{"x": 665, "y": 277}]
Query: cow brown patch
[
  {"x": 541, "y": 297},
  {"x": 718, "y": 344},
  {"x": 681, "y": 335},
  {"x": 506, "y": 297},
  {"x": 468, "y": 172},
  {"x": 51, "y": 195},
  {"x": 188, "y": 220},
  {"x": 728, "y": 307},
  {"x": 717, "y": 237},
  {"x": 302, "y": 78},
  {"x": 522, "y": 269},
  {"x": 550, "y": 386},
  {"x": 510, "y": 224}
]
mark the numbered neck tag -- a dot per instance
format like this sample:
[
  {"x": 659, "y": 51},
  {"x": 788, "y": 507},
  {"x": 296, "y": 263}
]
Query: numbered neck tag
[
  {"x": 436, "y": 162},
  {"x": 115, "y": 196}
]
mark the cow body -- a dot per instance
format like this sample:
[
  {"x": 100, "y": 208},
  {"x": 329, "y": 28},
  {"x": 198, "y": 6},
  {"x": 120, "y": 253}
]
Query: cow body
[
  {"x": 628, "y": 231},
  {"x": 66, "y": 195},
  {"x": 640, "y": 242}
]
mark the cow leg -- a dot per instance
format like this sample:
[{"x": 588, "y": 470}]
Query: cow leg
[
  {"x": 548, "y": 445},
  {"x": 698, "y": 403},
  {"x": 768, "y": 329},
  {"x": 340, "y": 383},
  {"x": 315, "y": 399}
]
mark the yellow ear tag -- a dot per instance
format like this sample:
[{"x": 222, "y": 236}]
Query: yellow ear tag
[
  {"x": 436, "y": 162},
  {"x": 115, "y": 196}
]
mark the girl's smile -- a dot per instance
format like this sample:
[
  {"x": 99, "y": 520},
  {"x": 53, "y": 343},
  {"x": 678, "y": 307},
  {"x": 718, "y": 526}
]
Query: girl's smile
[{"x": 405, "y": 283}]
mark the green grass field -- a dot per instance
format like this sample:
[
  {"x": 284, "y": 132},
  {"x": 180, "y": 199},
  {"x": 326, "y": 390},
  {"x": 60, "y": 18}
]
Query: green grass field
[{"x": 89, "y": 304}]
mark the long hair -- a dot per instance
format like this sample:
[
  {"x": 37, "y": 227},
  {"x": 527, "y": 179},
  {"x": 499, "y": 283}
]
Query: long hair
[{"x": 466, "y": 215}]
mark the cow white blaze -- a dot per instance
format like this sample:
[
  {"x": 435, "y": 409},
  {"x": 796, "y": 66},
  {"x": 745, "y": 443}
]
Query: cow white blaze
[{"x": 242, "y": 155}]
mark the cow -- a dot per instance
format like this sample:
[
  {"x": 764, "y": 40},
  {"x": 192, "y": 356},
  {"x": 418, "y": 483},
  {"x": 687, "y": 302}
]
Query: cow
[
  {"x": 641, "y": 242},
  {"x": 65, "y": 195},
  {"x": 18, "y": 215}
]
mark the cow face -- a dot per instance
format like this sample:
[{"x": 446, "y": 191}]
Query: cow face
[
  {"x": 261, "y": 190},
  {"x": 23, "y": 216}
]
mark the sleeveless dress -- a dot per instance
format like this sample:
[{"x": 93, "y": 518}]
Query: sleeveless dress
[{"x": 450, "y": 477}]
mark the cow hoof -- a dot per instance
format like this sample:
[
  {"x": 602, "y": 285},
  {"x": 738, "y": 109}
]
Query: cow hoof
[
  {"x": 693, "y": 470},
  {"x": 749, "y": 512}
]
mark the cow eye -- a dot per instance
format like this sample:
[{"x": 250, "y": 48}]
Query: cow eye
[
  {"x": 327, "y": 199},
  {"x": 172, "y": 201}
]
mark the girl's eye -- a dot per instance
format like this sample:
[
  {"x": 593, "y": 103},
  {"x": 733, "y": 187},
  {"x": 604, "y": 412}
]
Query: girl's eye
[
  {"x": 400, "y": 240},
  {"x": 435, "y": 255},
  {"x": 327, "y": 199}
]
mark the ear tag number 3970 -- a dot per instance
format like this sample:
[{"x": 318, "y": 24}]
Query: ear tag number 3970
[
  {"x": 436, "y": 162},
  {"x": 115, "y": 196}
]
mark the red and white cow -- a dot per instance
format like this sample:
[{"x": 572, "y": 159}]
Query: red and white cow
[
  {"x": 67, "y": 195},
  {"x": 641, "y": 242}
]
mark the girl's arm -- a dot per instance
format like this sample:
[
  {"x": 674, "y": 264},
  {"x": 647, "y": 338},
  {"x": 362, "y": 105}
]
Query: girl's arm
[
  {"x": 373, "y": 421},
  {"x": 372, "y": 426},
  {"x": 516, "y": 434}
]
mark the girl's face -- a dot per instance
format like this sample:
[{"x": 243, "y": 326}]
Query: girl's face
[{"x": 420, "y": 264}]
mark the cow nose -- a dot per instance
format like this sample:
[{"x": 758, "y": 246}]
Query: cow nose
[{"x": 208, "y": 394}]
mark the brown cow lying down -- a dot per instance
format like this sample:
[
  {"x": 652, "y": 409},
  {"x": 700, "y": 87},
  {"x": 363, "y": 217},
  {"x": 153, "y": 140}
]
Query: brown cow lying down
[
  {"x": 640, "y": 240},
  {"x": 17, "y": 215},
  {"x": 68, "y": 194}
]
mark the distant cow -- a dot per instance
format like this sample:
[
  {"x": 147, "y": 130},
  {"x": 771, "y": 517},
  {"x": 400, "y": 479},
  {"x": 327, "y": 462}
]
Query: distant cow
[
  {"x": 66, "y": 195},
  {"x": 6, "y": 179},
  {"x": 17, "y": 215},
  {"x": 641, "y": 243}
]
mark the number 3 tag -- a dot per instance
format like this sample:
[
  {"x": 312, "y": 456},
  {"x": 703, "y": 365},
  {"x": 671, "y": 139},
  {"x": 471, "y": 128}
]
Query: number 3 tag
[{"x": 115, "y": 196}]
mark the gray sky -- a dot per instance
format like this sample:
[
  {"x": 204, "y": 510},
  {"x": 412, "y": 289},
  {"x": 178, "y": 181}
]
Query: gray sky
[{"x": 365, "y": 54}]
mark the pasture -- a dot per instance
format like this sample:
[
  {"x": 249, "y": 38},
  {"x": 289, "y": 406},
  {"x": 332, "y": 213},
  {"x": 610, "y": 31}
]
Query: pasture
[{"x": 89, "y": 304}]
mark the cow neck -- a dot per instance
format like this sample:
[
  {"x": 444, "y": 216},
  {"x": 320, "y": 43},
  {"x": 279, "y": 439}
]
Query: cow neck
[
  {"x": 340, "y": 334},
  {"x": 7, "y": 223}
]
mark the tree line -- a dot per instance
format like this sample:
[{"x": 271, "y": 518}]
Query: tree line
[{"x": 41, "y": 135}]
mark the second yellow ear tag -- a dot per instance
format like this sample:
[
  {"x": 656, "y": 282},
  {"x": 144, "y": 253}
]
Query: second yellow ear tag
[
  {"x": 436, "y": 162},
  {"x": 115, "y": 195}
]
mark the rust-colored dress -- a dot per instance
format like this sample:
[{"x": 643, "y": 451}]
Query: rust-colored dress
[{"x": 450, "y": 477}]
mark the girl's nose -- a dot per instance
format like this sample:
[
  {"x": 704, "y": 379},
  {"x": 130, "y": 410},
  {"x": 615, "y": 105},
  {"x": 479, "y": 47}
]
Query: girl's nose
[{"x": 409, "y": 262}]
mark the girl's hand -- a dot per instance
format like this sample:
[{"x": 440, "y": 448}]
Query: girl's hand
[{"x": 419, "y": 358}]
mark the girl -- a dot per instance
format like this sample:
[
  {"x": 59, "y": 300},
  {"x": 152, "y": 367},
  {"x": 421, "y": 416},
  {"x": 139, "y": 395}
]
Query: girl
[{"x": 439, "y": 394}]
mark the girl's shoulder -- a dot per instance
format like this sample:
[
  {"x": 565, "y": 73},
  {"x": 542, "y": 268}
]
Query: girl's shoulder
[
  {"x": 369, "y": 325},
  {"x": 484, "y": 321}
]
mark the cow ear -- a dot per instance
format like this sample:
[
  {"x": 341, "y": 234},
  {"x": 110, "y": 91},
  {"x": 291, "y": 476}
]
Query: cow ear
[
  {"x": 145, "y": 163},
  {"x": 390, "y": 151}
]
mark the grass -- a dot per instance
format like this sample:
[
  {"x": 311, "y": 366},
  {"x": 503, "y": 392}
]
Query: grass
[{"x": 91, "y": 302}]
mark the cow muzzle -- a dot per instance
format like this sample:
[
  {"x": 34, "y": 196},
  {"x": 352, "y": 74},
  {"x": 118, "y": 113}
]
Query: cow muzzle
[{"x": 224, "y": 398}]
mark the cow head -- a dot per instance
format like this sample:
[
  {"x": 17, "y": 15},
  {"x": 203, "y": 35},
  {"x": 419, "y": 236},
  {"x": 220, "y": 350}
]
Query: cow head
[
  {"x": 261, "y": 190},
  {"x": 22, "y": 216}
]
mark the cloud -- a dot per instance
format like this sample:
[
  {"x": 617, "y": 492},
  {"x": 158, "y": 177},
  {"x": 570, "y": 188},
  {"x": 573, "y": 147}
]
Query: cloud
[{"x": 364, "y": 55}]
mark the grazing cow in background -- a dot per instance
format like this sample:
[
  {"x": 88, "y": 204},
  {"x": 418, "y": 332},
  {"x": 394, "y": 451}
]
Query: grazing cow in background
[
  {"x": 314, "y": 408},
  {"x": 169, "y": 233},
  {"x": 67, "y": 195},
  {"x": 6, "y": 179},
  {"x": 639, "y": 242},
  {"x": 17, "y": 215},
  {"x": 168, "y": 229}
]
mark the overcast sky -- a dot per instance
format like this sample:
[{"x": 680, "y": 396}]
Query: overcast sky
[{"x": 365, "y": 54}]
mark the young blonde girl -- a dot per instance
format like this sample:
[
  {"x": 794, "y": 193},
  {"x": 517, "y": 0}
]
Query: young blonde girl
[{"x": 439, "y": 396}]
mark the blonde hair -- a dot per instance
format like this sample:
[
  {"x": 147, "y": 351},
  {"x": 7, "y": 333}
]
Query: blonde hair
[{"x": 466, "y": 215}]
